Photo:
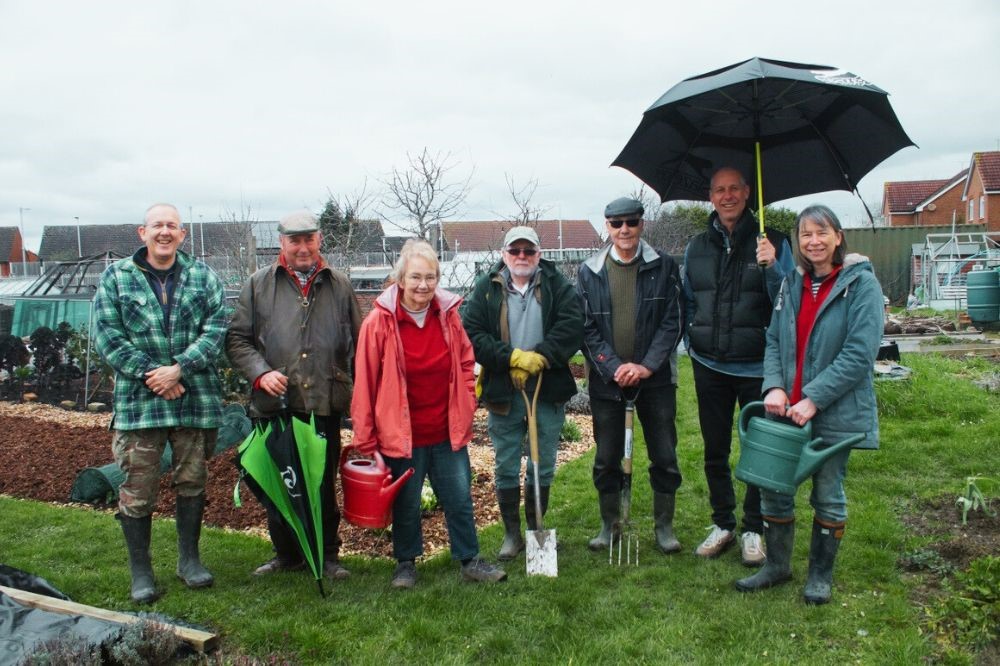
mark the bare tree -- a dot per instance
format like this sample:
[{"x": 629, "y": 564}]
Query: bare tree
[
  {"x": 239, "y": 246},
  {"x": 675, "y": 225},
  {"x": 346, "y": 226},
  {"x": 527, "y": 213},
  {"x": 650, "y": 201},
  {"x": 424, "y": 192}
]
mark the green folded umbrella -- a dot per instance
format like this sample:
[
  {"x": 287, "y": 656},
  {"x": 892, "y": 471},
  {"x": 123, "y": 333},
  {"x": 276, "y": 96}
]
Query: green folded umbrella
[{"x": 283, "y": 462}]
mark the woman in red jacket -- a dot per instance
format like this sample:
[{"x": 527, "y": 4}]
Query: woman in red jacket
[{"x": 413, "y": 402}]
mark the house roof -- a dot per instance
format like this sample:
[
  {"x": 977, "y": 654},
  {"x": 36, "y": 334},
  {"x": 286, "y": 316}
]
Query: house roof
[
  {"x": 486, "y": 235},
  {"x": 905, "y": 195},
  {"x": 988, "y": 165},
  {"x": 61, "y": 243},
  {"x": 7, "y": 237},
  {"x": 368, "y": 236}
]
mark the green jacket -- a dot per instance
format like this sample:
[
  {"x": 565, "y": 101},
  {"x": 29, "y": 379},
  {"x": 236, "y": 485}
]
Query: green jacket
[
  {"x": 837, "y": 373},
  {"x": 485, "y": 320},
  {"x": 131, "y": 336}
]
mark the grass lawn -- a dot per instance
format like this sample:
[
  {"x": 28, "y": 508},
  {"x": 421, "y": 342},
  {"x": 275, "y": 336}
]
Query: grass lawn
[{"x": 937, "y": 429}]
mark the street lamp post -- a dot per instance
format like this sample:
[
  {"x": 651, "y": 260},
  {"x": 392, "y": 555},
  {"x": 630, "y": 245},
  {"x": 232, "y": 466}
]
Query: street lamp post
[{"x": 24, "y": 254}]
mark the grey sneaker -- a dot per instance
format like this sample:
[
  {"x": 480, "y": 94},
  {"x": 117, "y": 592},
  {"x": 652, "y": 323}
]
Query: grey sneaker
[
  {"x": 752, "y": 549},
  {"x": 481, "y": 571},
  {"x": 405, "y": 576},
  {"x": 335, "y": 570},
  {"x": 716, "y": 543}
]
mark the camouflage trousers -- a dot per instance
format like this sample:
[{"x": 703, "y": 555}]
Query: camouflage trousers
[{"x": 138, "y": 453}]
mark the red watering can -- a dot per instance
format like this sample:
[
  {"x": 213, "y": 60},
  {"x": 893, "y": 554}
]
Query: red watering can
[{"x": 369, "y": 490}]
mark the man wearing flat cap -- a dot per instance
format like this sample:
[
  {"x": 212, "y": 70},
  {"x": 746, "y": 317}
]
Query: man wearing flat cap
[
  {"x": 632, "y": 324},
  {"x": 293, "y": 336},
  {"x": 524, "y": 321}
]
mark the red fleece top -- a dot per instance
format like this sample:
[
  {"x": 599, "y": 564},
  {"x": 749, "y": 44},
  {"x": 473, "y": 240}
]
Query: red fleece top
[
  {"x": 804, "y": 326},
  {"x": 428, "y": 370}
]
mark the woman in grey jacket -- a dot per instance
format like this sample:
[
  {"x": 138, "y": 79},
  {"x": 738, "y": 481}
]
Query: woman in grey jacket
[{"x": 821, "y": 346}]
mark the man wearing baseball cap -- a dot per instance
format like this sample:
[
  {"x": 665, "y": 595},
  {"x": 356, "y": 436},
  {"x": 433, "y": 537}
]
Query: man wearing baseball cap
[
  {"x": 293, "y": 336},
  {"x": 632, "y": 324},
  {"x": 524, "y": 321}
]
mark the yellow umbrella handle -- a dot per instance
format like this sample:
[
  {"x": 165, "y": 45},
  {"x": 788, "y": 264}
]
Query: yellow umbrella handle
[{"x": 760, "y": 189}]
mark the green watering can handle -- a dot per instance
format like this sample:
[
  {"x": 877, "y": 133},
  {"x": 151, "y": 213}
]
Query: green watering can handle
[{"x": 758, "y": 406}]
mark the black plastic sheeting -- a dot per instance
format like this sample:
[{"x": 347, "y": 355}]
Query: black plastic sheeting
[{"x": 23, "y": 627}]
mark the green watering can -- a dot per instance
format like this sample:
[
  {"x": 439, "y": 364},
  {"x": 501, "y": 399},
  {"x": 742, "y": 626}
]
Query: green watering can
[{"x": 778, "y": 456}]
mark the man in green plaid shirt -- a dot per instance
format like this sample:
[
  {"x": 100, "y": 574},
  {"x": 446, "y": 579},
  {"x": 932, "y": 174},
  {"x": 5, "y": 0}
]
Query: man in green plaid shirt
[{"x": 161, "y": 325}]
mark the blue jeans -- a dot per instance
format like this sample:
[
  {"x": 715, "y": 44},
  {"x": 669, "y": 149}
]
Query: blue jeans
[
  {"x": 827, "y": 498},
  {"x": 451, "y": 480},
  {"x": 508, "y": 433},
  {"x": 656, "y": 408}
]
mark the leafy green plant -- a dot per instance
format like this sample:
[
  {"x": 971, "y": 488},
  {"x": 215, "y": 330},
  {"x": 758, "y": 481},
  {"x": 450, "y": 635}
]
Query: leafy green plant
[
  {"x": 428, "y": 500},
  {"x": 570, "y": 432},
  {"x": 968, "y": 615},
  {"x": 973, "y": 499},
  {"x": 926, "y": 559},
  {"x": 77, "y": 347},
  {"x": 941, "y": 340}
]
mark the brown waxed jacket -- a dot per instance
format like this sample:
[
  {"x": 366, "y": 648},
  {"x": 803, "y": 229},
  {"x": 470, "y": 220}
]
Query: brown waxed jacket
[{"x": 311, "y": 339}]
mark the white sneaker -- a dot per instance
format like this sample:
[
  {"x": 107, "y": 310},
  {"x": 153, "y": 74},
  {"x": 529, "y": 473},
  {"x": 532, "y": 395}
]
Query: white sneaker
[
  {"x": 752, "y": 548},
  {"x": 716, "y": 543}
]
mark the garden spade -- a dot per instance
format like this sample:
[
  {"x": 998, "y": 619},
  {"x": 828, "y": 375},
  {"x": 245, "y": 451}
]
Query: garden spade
[
  {"x": 540, "y": 544},
  {"x": 627, "y": 538}
]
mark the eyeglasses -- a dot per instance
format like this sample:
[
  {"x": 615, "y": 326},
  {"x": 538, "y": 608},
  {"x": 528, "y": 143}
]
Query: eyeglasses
[
  {"x": 522, "y": 251},
  {"x": 617, "y": 224},
  {"x": 417, "y": 279}
]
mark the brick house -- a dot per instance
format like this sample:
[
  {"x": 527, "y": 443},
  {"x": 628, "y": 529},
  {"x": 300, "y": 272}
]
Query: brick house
[
  {"x": 921, "y": 203},
  {"x": 982, "y": 190},
  {"x": 11, "y": 248}
]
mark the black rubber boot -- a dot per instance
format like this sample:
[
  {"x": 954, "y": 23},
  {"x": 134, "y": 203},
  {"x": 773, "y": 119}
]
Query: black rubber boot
[
  {"x": 663, "y": 520},
  {"x": 779, "y": 535},
  {"x": 509, "y": 501},
  {"x": 137, "y": 533},
  {"x": 610, "y": 505},
  {"x": 822, "y": 554},
  {"x": 529, "y": 504},
  {"x": 189, "y": 566}
]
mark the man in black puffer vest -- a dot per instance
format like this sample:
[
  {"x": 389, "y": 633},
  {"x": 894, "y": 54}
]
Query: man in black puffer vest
[{"x": 730, "y": 277}]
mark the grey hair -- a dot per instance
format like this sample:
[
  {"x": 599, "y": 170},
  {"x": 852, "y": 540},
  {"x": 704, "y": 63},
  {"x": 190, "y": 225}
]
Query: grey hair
[
  {"x": 145, "y": 216},
  {"x": 412, "y": 248},
  {"x": 711, "y": 179},
  {"x": 824, "y": 217}
]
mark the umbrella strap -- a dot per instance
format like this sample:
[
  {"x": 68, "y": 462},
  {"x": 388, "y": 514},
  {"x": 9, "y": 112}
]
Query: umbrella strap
[{"x": 237, "y": 502}]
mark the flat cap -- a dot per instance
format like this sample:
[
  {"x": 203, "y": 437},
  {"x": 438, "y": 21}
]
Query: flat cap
[
  {"x": 521, "y": 233},
  {"x": 624, "y": 206},
  {"x": 299, "y": 222}
]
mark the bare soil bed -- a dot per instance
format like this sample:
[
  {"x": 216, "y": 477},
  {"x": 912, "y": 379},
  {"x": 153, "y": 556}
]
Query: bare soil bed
[{"x": 43, "y": 448}]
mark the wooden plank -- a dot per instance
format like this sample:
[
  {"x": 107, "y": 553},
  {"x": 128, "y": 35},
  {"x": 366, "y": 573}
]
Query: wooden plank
[{"x": 202, "y": 641}]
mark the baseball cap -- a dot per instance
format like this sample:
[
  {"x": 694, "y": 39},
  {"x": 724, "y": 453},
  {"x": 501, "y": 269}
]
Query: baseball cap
[{"x": 521, "y": 233}]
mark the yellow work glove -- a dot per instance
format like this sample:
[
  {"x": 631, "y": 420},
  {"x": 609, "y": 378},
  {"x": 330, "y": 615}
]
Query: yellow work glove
[
  {"x": 519, "y": 377},
  {"x": 479, "y": 385},
  {"x": 532, "y": 362}
]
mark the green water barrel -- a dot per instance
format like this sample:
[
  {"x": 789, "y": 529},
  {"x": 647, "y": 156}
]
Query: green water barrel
[{"x": 983, "y": 296}]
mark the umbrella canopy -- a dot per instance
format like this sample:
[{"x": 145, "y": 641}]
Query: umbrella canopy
[
  {"x": 818, "y": 129},
  {"x": 283, "y": 463}
]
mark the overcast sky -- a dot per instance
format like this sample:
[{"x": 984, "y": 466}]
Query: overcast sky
[{"x": 215, "y": 106}]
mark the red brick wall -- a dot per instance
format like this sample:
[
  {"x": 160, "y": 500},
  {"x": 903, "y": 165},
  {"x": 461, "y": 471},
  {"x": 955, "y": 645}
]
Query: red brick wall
[{"x": 944, "y": 205}]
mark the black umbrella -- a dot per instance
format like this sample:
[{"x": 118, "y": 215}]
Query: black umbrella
[{"x": 800, "y": 128}]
